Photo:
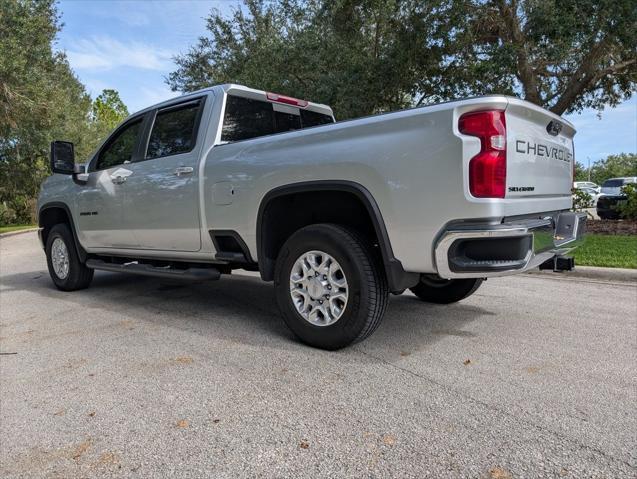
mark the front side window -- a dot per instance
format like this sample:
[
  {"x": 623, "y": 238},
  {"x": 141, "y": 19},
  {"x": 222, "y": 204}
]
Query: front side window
[
  {"x": 121, "y": 148},
  {"x": 174, "y": 131}
]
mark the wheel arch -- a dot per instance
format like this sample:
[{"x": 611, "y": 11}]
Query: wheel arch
[
  {"x": 56, "y": 212},
  {"x": 268, "y": 243}
]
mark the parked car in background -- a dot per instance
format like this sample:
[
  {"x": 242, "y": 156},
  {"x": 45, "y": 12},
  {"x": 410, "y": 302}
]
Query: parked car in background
[
  {"x": 611, "y": 195},
  {"x": 593, "y": 193},
  {"x": 587, "y": 184}
]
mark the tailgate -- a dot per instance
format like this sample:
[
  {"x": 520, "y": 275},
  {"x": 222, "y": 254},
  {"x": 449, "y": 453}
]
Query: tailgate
[{"x": 540, "y": 153}]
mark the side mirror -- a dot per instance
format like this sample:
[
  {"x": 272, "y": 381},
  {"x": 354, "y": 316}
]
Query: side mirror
[{"x": 62, "y": 157}]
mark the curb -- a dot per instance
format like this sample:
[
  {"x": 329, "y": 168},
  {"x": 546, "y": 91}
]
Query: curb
[
  {"x": 19, "y": 232},
  {"x": 623, "y": 275}
]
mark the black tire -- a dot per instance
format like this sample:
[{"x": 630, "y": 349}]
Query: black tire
[
  {"x": 434, "y": 289},
  {"x": 79, "y": 276},
  {"x": 366, "y": 285}
]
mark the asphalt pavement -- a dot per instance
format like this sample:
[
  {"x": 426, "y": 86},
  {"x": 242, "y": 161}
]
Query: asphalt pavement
[{"x": 532, "y": 376}]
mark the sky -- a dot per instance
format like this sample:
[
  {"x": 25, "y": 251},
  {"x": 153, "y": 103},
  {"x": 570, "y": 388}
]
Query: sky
[{"x": 129, "y": 45}]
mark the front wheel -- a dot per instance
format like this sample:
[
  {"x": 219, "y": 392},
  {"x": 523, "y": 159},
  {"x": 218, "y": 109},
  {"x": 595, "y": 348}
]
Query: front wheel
[
  {"x": 330, "y": 287},
  {"x": 434, "y": 289},
  {"x": 65, "y": 268}
]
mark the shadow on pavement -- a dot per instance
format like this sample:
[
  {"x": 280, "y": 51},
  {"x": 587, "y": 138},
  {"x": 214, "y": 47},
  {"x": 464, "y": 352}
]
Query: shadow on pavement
[{"x": 239, "y": 308}]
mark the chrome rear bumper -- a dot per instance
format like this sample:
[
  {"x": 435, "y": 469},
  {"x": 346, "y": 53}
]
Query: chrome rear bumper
[{"x": 471, "y": 251}]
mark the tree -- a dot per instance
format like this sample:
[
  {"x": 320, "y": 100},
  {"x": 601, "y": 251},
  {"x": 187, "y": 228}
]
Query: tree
[
  {"x": 41, "y": 99},
  {"x": 564, "y": 56},
  {"x": 348, "y": 54},
  {"x": 581, "y": 172},
  {"x": 368, "y": 56},
  {"x": 624, "y": 164},
  {"x": 108, "y": 109}
]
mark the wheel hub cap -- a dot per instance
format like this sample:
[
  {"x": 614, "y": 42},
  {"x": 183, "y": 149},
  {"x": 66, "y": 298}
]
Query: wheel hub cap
[
  {"x": 318, "y": 288},
  {"x": 60, "y": 258}
]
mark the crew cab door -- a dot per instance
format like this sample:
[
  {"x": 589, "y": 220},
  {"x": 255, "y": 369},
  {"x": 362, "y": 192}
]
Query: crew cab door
[
  {"x": 162, "y": 201},
  {"x": 100, "y": 201}
]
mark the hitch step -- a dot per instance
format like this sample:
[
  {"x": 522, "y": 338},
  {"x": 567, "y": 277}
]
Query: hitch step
[
  {"x": 193, "y": 274},
  {"x": 559, "y": 263}
]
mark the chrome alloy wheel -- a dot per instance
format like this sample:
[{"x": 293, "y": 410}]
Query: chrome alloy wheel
[
  {"x": 318, "y": 288},
  {"x": 60, "y": 258}
]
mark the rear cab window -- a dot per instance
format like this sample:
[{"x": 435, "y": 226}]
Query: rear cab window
[{"x": 246, "y": 118}]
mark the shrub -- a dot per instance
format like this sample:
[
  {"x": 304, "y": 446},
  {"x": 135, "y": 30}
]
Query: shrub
[
  {"x": 7, "y": 215},
  {"x": 581, "y": 200},
  {"x": 628, "y": 208}
]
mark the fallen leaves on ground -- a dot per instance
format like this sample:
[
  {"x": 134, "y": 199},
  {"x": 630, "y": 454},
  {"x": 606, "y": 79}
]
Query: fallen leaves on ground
[
  {"x": 183, "y": 423},
  {"x": 499, "y": 473},
  {"x": 81, "y": 449},
  {"x": 183, "y": 359},
  {"x": 389, "y": 440},
  {"x": 304, "y": 445},
  {"x": 107, "y": 458},
  {"x": 466, "y": 362}
]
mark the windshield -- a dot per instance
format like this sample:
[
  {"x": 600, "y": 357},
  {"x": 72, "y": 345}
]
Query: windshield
[{"x": 613, "y": 187}]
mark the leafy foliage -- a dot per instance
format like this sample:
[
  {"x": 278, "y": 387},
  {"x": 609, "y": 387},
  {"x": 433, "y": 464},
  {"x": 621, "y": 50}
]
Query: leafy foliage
[
  {"x": 564, "y": 56},
  {"x": 581, "y": 172},
  {"x": 108, "y": 110},
  {"x": 40, "y": 100},
  {"x": 581, "y": 200},
  {"x": 348, "y": 54},
  {"x": 368, "y": 56},
  {"x": 628, "y": 209},
  {"x": 623, "y": 164}
]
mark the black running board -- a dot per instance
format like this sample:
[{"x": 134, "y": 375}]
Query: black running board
[{"x": 193, "y": 274}]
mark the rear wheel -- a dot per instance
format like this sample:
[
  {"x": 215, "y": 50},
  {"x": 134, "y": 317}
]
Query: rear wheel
[
  {"x": 330, "y": 288},
  {"x": 434, "y": 289},
  {"x": 65, "y": 268}
]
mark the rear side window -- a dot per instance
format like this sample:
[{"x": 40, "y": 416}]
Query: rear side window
[
  {"x": 174, "y": 131},
  {"x": 121, "y": 148},
  {"x": 245, "y": 118}
]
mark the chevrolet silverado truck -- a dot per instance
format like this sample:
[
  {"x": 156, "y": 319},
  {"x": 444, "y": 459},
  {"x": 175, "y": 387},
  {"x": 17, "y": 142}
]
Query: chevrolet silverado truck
[{"x": 337, "y": 214}]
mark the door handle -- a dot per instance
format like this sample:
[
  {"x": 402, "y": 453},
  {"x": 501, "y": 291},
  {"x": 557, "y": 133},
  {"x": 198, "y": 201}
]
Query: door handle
[
  {"x": 120, "y": 175},
  {"x": 118, "y": 180},
  {"x": 183, "y": 171}
]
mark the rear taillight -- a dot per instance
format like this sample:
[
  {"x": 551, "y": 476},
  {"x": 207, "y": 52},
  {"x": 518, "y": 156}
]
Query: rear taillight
[{"x": 488, "y": 169}]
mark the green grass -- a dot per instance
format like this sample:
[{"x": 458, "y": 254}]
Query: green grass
[
  {"x": 607, "y": 250},
  {"x": 8, "y": 229}
]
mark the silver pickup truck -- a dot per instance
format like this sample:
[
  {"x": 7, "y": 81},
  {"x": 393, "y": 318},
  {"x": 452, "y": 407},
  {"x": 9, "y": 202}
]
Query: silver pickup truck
[{"x": 338, "y": 215}]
